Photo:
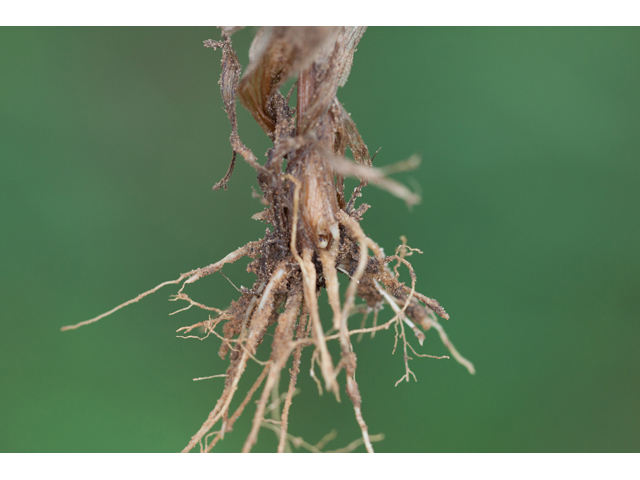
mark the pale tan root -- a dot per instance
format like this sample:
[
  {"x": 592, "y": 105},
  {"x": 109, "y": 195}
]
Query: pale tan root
[
  {"x": 447, "y": 343},
  {"x": 375, "y": 328},
  {"x": 222, "y": 375},
  {"x": 354, "y": 229},
  {"x": 375, "y": 322},
  {"x": 305, "y": 342},
  {"x": 214, "y": 267},
  {"x": 309, "y": 282},
  {"x": 425, "y": 355},
  {"x": 274, "y": 406},
  {"x": 223, "y": 183},
  {"x": 332, "y": 435},
  {"x": 419, "y": 335},
  {"x": 431, "y": 303},
  {"x": 411, "y": 163},
  {"x": 401, "y": 318},
  {"x": 332, "y": 286},
  {"x": 239, "y": 410},
  {"x": 208, "y": 325},
  {"x": 283, "y": 336},
  {"x": 122, "y": 305},
  {"x": 406, "y": 358},
  {"x": 192, "y": 303},
  {"x": 354, "y": 394},
  {"x": 272, "y": 380},
  {"x": 312, "y": 370},
  {"x": 296, "y": 441},
  {"x": 300, "y": 442},
  {"x": 356, "y": 443},
  {"x": 348, "y": 357},
  {"x": 238, "y": 342},
  {"x": 428, "y": 323},
  {"x": 309, "y": 287},
  {"x": 376, "y": 176},
  {"x": 193, "y": 276},
  {"x": 258, "y": 327},
  {"x": 333, "y": 292},
  {"x": 295, "y": 370},
  {"x": 363, "y": 322}
]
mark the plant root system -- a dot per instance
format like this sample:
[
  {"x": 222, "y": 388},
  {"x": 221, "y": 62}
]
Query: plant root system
[{"x": 314, "y": 237}]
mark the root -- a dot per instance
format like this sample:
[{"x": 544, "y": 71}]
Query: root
[
  {"x": 229, "y": 423},
  {"x": 127, "y": 303},
  {"x": 374, "y": 175},
  {"x": 199, "y": 273},
  {"x": 354, "y": 395},
  {"x": 309, "y": 280},
  {"x": 356, "y": 443},
  {"x": 223, "y": 183},
  {"x": 348, "y": 357},
  {"x": 426, "y": 324},
  {"x": 354, "y": 229},
  {"x": 222, "y": 375},
  {"x": 191, "y": 277},
  {"x": 447, "y": 343},
  {"x": 317, "y": 448},
  {"x": 284, "y": 333},
  {"x": 192, "y": 303},
  {"x": 258, "y": 327},
  {"x": 406, "y": 358},
  {"x": 309, "y": 284},
  {"x": 295, "y": 370}
]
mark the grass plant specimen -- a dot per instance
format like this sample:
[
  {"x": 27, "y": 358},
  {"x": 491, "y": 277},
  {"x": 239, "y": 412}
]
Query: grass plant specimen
[{"x": 313, "y": 237}]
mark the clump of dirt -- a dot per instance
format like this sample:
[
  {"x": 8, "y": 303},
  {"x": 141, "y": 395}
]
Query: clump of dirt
[{"x": 314, "y": 234}]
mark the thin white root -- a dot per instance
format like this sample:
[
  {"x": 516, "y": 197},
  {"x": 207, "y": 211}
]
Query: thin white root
[
  {"x": 354, "y": 229},
  {"x": 193, "y": 276},
  {"x": 443, "y": 336},
  {"x": 356, "y": 443},
  {"x": 363, "y": 426},
  {"x": 400, "y": 315},
  {"x": 419, "y": 335},
  {"x": 129, "y": 302},
  {"x": 312, "y": 370},
  {"x": 408, "y": 371},
  {"x": 222, "y": 375},
  {"x": 298, "y": 442},
  {"x": 445, "y": 340},
  {"x": 327, "y": 438}
]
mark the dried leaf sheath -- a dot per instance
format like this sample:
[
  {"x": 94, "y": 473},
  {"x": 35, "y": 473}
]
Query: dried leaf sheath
[{"x": 314, "y": 237}]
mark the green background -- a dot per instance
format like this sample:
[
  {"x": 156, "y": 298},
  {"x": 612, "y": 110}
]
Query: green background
[{"x": 110, "y": 141}]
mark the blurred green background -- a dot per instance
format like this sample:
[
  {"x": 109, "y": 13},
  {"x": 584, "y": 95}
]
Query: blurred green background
[{"x": 110, "y": 141}]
